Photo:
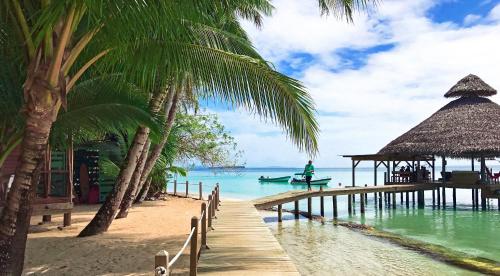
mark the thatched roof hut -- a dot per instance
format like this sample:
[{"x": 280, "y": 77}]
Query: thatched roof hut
[{"x": 466, "y": 127}]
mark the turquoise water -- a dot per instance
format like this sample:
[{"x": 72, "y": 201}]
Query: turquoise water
[{"x": 465, "y": 230}]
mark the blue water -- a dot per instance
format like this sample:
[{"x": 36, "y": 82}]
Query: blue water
[{"x": 461, "y": 229}]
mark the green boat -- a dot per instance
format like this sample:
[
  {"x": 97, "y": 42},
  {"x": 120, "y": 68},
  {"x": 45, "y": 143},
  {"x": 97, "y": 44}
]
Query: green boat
[{"x": 274, "y": 179}]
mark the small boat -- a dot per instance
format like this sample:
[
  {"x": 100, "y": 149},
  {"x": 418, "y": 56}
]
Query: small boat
[
  {"x": 321, "y": 181},
  {"x": 274, "y": 179}
]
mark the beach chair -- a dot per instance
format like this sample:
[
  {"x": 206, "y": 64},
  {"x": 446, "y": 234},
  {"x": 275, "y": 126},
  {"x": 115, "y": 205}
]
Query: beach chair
[{"x": 494, "y": 178}]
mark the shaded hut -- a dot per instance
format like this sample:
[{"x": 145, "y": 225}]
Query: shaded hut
[
  {"x": 464, "y": 128},
  {"x": 467, "y": 127}
]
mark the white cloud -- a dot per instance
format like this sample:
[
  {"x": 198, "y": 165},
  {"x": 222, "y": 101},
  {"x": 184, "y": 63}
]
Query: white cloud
[
  {"x": 495, "y": 13},
  {"x": 391, "y": 93},
  {"x": 471, "y": 19}
]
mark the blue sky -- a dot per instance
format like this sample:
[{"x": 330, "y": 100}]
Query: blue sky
[{"x": 371, "y": 80}]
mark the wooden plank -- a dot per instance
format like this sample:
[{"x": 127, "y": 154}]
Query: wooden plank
[{"x": 243, "y": 245}]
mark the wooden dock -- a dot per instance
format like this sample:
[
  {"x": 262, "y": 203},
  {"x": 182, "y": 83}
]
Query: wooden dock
[
  {"x": 243, "y": 245},
  {"x": 291, "y": 196}
]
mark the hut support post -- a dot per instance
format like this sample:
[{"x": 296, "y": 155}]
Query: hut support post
[
  {"x": 420, "y": 198},
  {"x": 375, "y": 180},
  {"x": 483, "y": 181},
  {"x": 393, "y": 200},
  {"x": 322, "y": 206},
  {"x": 444, "y": 180},
  {"x": 280, "y": 213},
  {"x": 407, "y": 200}
]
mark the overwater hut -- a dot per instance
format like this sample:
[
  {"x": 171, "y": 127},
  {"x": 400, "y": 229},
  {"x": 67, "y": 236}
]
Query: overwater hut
[{"x": 466, "y": 128}]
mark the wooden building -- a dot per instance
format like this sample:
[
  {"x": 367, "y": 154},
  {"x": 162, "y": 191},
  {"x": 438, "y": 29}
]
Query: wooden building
[{"x": 54, "y": 191}]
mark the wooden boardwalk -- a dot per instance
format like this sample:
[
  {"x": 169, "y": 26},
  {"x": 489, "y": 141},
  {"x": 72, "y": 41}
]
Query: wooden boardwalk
[
  {"x": 243, "y": 245},
  {"x": 291, "y": 196}
]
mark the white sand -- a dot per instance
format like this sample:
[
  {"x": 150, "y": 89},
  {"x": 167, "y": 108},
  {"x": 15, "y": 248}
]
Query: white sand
[{"x": 128, "y": 248}]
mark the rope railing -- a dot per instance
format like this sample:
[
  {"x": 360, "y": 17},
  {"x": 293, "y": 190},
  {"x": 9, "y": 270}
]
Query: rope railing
[{"x": 163, "y": 266}]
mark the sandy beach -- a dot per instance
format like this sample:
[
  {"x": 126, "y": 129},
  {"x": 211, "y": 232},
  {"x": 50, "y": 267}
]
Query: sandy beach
[{"x": 128, "y": 248}]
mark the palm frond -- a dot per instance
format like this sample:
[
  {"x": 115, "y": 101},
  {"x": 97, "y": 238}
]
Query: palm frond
[{"x": 344, "y": 8}]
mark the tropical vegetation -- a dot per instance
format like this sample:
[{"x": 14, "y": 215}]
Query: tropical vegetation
[{"x": 174, "y": 52}]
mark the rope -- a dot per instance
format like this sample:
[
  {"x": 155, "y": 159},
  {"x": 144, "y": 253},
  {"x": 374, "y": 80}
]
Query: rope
[{"x": 171, "y": 263}]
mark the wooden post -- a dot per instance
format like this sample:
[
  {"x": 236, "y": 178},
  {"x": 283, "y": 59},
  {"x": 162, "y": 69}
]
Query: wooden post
[
  {"x": 200, "y": 190},
  {"x": 380, "y": 201},
  {"x": 334, "y": 202},
  {"x": 67, "y": 219},
  {"x": 162, "y": 260},
  {"x": 187, "y": 188},
  {"x": 193, "y": 255},
  {"x": 175, "y": 187},
  {"x": 483, "y": 181},
  {"x": 444, "y": 180},
  {"x": 413, "y": 198},
  {"x": 393, "y": 200},
  {"x": 421, "y": 201},
  {"x": 362, "y": 203},
  {"x": 309, "y": 207},
  {"x": 204, "y": 225},
  {"x": 322, "y": 205},
  {"x": 214, "y": 203},
  {"x": 407, "y": 200},
  {"x": 454, "y": 198},
  {"x": 366, "y": 195},
  {"x": 349, "y": 204},
  {"x": 433, "y": 198},
  {"x": 375, "y": 181},
  {"x": 210, "y": 207},
  {"x": 296, "y": 209},
  {"x": 388, "y": 198},
  {"x": 280, "y": 213},
  {"x": 401, "y": 198},
  {"x": 438, "y": 197},
  {"x": 46, "y": 218}
]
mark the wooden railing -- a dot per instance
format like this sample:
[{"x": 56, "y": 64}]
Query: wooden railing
[
  {"x": 163, "y": 264},
  {"x": 185, "y": 193}
]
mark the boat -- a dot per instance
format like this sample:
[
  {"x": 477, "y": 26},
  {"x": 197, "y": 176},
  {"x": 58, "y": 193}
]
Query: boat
[
  {"x": 274, "y": 179},
  {"x": 321, "y": 181}
]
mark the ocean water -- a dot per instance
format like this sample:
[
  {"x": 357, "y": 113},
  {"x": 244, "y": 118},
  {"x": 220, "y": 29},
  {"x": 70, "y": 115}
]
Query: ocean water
[{"x": 461, "y": 229}]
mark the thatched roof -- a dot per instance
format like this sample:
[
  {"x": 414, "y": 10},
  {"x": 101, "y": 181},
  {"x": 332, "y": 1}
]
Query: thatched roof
[
  {"x": 466, "y": 127},
  {"x": 471, "y": 85}
]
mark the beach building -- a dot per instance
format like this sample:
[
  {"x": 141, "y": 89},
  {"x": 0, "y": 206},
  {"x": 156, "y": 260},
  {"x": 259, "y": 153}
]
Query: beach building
[
  {"x": 465, "y": 128},
  {"x": 54, "y": 189}
]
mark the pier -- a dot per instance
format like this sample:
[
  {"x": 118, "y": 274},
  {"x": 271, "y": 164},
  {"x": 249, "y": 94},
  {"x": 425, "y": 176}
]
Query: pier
[{"x": 243, "y": 245}]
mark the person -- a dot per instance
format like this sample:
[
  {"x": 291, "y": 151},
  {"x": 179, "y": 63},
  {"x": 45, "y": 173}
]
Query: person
[{"x": 308, "y": 172}]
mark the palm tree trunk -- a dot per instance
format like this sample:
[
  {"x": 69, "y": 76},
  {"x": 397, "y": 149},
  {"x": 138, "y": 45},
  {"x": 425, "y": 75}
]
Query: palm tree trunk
[
  {"x": 129, "y": 196},
  {"x": 157, "y": 149},
  {"x": 144, "y": 191},
  {"x": 12, "y": 248},
  {"x": 104, "y": 217}
]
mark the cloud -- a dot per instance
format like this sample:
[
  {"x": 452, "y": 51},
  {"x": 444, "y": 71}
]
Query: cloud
[
  {"x": 471, "y": 19},
  {"x": 366, "y": 94}
]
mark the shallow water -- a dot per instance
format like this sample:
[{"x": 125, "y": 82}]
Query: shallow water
[{"x": 464, "y": 230}]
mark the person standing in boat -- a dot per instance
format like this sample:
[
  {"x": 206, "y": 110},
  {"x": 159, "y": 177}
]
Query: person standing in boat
[{"x": 308, "y": 172}]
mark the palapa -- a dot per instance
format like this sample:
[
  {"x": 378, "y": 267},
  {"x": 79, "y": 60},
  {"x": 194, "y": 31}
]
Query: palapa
[{"x": 466, "y": 127}]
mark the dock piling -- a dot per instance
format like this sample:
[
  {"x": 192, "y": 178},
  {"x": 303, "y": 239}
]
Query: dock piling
[
  {"x": 280, "y": 213},
  {"x": 407, "y": 200},
  {"x": 454, "y": 198},
  {"x": 309, "y": 207},
  {"x": 362, "y": 203},
  {"x": 349, "y": 204},
  {"x": 335, "y": 211},
  {"x": 393, "y": 200},
  {"x": 296, "y": 203}
]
